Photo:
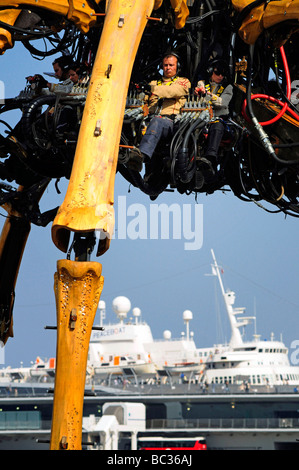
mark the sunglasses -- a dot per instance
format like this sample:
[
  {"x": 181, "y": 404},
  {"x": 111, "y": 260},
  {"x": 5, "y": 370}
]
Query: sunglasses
[{"x": 216, "y": 72}]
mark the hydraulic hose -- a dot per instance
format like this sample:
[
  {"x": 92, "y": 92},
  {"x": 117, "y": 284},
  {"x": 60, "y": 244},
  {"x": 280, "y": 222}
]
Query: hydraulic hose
[
  {"x": 30, "y": 111},
  {"x": 183, "y": 156},
  {"x": 285, "y": 106},
  {"x": 264, "y": 138}
]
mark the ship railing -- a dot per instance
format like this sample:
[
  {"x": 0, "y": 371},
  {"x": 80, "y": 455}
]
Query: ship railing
[
  {"x": 223, "y": 423},
  {"x": 26, "y": 390},
  {"x": 32, "y": 421}
]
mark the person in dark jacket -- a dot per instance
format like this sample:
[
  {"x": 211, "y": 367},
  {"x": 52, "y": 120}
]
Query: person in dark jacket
[{"x": 219, "y": 93}]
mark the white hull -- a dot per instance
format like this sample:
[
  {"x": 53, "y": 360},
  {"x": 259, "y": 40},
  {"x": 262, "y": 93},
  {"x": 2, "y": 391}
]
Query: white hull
[{"x": 137, "y": 369}]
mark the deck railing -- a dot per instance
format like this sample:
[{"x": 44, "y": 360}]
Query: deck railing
[{"x": 223, "y": 423}]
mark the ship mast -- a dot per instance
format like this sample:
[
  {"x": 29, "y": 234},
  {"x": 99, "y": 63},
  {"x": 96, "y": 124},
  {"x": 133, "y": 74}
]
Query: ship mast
[{"x": 229, "y": 300}]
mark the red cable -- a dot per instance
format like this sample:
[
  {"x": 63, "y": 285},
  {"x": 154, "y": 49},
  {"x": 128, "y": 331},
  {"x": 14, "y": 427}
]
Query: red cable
[
  {"x": 274, "y": 100},
  {"x": 285, "y": 106}
]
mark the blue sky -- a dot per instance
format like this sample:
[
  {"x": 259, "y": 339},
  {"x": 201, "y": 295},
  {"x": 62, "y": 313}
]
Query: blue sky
[{"x": 257, "y": 250}]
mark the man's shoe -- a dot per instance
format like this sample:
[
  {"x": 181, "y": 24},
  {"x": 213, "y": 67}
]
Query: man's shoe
[
  {"x": 135, "y": 161},
  {"x": 148, "y": 171}
]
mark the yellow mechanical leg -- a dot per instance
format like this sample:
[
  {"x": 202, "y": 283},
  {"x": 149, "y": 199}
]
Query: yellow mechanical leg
[
  {"x": 13, "y": 240},
  {"x": 88, "y": 204},
  {"x": 78, "y": 286}
]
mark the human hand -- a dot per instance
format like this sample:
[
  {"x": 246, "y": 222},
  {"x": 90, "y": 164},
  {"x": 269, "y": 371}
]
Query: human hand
[
  {"x": 144, "y": 87},
  {"x": 40, "y": 80}
]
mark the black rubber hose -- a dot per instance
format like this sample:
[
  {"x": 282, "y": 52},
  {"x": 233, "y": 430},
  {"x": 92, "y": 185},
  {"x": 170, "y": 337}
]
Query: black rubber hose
[
  {"x": 183, "y": 156},
  {"x": 30, "y": 112},
  {"x": 263, "y": 136}
]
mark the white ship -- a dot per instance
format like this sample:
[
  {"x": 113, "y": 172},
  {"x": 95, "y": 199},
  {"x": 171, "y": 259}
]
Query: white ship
[
  {"x": 127, "y": 348},
  {"x": 240, "y": 395},
  {"x": 129, "y": 345},
  {"x": 253, "y": 362}
]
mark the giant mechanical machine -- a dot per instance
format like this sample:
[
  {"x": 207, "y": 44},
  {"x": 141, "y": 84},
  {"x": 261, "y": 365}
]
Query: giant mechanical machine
[{"x": 120, "y": 45}]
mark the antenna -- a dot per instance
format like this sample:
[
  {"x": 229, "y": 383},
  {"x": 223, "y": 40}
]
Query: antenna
[
  {"x": 136, "y": 313},
  {"x": 187, "y": 316},
  {"x": 229, "y": 300},
  {"x": 102, "y": 308}
]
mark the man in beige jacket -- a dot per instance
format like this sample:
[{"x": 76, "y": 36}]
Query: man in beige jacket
[{"x": 165, "y": 99}]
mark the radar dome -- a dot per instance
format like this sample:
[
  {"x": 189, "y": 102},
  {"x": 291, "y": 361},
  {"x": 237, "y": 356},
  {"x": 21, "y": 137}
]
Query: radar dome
[
  {"x": 136, "y": 312},
  {"x": 121, "y": 306},
  {"x": 167, "y": 334},
  {"x": 187, "y": 315}
]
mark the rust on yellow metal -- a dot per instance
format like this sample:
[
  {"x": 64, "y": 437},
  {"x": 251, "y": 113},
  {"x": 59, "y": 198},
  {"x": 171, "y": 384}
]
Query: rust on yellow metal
[
  {"x": 78, "y": 287},
  {"x": 264, "y": 16},
  {"x": 88, "y": 204}
]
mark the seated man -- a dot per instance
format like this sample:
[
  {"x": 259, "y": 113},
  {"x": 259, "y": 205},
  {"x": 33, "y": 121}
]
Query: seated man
[
  {"x": 165, "y": 99},
  {"x": 219, "y": 93},
  {"x": 61, "y": 67}
]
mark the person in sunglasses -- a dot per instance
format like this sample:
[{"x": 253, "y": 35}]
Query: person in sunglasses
[{"x": 219, "y": 93}]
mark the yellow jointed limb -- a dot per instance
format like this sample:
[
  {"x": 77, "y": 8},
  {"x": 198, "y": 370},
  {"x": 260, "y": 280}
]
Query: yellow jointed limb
[
  {"x": 88, "y": 204},
  {"x": 78, "y": 286},
  {"x": 13, "y": 240},
  {"x": 181, "y": 12},
  {"x": 77, "y": 11},
  {"x": 8, "y": 17},
  {"x": 264, "y": 16}
]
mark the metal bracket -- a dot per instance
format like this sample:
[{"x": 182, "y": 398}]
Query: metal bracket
[
  {"x": 98, "y": 130},
  {"x": 73, "y": 318},
  {"x": 121, "y": 21},
  {"x": 64, "y": 443},
  {"x": 107, "y": 73}
]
